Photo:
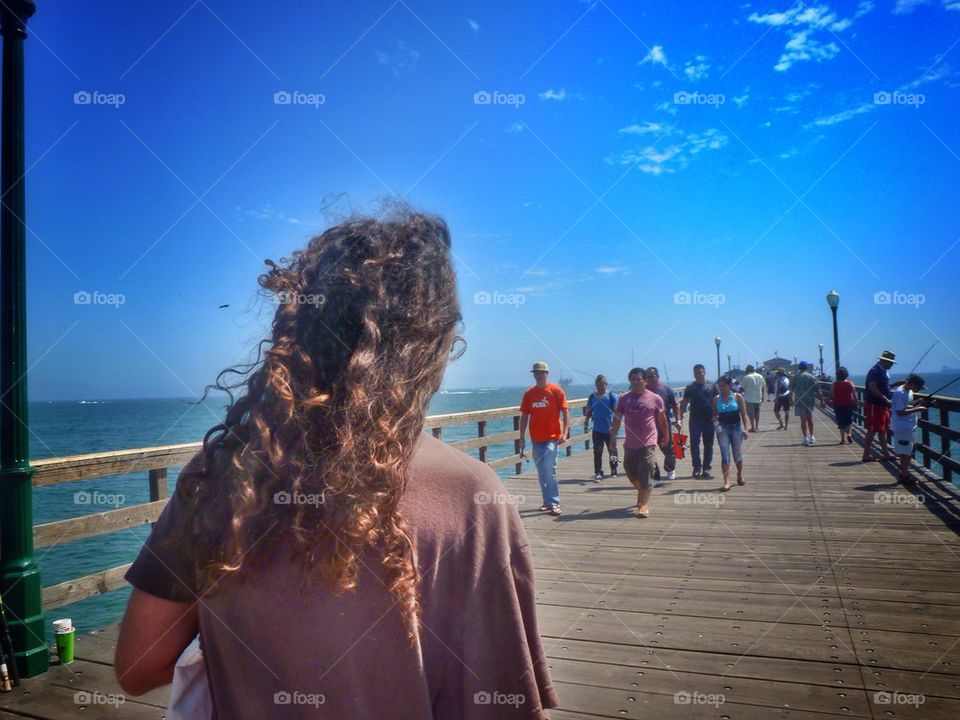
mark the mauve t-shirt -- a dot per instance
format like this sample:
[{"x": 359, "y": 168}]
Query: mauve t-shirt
[{"x": 279, "y": 647}]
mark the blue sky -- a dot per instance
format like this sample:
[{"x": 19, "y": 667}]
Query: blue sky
[{"x": 619, "y": 177}]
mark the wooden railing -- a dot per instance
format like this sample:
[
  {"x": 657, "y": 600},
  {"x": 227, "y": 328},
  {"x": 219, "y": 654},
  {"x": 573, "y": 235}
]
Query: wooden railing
[
  {"x": 935, "y": 424},
  {"x": 156, "y": 461}
]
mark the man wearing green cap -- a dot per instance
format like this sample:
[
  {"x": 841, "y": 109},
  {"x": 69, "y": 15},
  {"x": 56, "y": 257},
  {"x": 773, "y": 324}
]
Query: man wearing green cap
[{"x": 544, "y": 407}]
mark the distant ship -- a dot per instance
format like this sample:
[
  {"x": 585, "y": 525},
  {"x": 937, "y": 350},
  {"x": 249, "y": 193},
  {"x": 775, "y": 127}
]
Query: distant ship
[{"x": 564, "y": 381}]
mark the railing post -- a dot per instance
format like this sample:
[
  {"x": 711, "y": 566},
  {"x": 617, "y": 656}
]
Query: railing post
[
  {"x": 945, "y": 470},
  {"x": 19, "y": 572},
  {"x": 158, "y": 486},
  {"x": 481, "y": 431},
  {"x": 925, "y": 441},
  {"x": 518, "y": 468}
]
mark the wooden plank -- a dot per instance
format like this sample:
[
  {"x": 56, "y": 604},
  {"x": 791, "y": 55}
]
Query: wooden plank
[
  {"x": 63, "y": 531},
  {"x": 94, "y": 465},
  {"x": 96, "y": 583}
]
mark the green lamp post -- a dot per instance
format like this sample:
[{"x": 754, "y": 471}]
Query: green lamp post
[{"x": 19, "y": 574}]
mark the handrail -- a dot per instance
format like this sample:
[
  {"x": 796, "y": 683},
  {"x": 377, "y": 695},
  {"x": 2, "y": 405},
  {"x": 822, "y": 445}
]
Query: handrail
[
  {"x": 159, "y": 459},
  {"x": 943, "y": 405}
]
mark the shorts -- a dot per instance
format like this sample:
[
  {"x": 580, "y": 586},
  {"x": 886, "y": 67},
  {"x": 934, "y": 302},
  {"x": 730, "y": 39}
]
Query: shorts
[
  {"x": 782, "y": 403},
  {"x": 753, "y": 409},
  {"x": 903, "y": 443},
  {"x": 844, "y": 415},
  {"x": 638, "y": 463},
  {"x": 876, "y": 417},
  {"x": 801, "y": 409}
]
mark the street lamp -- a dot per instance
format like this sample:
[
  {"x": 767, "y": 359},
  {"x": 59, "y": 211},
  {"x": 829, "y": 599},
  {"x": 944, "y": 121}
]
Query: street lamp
[
  {"x": 833, "y": 300},
  {"x": 820, "y": 345},
  {"x": 716, "y": 340}
]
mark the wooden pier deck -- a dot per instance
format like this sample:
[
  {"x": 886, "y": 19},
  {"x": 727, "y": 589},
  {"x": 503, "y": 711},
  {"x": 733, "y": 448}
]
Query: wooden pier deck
[{"x": 821, "y": 588}]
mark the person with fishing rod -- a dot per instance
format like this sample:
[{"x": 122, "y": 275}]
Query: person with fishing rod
[
  {"x": 876, "y": 406},
  {"x": 903, "y": 422}
]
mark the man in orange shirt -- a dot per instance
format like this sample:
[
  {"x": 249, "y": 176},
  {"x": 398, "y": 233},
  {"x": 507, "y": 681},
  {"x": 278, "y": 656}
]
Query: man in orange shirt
[{"x": 545, "y": 408}]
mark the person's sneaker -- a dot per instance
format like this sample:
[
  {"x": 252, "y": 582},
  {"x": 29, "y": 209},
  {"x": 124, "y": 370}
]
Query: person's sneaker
[
  {"x": 806, "y": 441},
  {"x": 812, "y": 439},
  {"x": 672, "y": 475},
  {"x": 657, "y": 482},
  {"x": 598, "y": 477},
  {"x": 696, "y": 473},
  {"x": 554, "y": 510},
  {"x": 706, "y": 475},
  {"x": 544, "y": 508}
]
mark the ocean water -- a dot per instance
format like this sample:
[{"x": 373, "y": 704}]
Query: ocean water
[{"x": 71, "y": 427}]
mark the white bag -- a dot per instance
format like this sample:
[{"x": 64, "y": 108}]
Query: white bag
[{"x": 190, "y": 694}]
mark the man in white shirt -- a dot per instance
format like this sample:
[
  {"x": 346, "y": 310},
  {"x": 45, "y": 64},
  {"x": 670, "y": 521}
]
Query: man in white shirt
[{"x": 754, "y": 387}]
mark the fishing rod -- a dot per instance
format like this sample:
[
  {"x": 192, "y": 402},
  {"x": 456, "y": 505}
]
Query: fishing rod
[
  {"x": 898, "y": 383},
  {"x": 6, "y": 644},
  {"x": 942, "y": 387}
]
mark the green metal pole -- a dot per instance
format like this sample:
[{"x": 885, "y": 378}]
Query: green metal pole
[{"x": 19, "y": 574}]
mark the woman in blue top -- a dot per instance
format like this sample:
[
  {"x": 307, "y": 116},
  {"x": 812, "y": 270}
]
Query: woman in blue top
[{"x": 729, "y": 419}]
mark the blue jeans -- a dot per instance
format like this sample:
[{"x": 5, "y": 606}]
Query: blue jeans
[
  {"x": 730, "y": 437},
  {"x": 697, "y": 430},
  {"x": 545, "y": 458}
]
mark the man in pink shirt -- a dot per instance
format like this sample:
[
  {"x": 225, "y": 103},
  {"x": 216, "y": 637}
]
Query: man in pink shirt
[{"x": 643, "y": 412}]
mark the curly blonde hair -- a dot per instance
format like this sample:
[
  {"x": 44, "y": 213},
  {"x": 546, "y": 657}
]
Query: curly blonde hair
[{"x": 332, "y": 409}]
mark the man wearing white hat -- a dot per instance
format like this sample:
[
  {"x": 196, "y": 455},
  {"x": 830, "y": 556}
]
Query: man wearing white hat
[
  {"x": 544, "y": 407},
  {"x": 877, "y": 398}
]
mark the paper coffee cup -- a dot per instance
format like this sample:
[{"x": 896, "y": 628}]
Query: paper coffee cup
[{"x": 64, "y": 625}]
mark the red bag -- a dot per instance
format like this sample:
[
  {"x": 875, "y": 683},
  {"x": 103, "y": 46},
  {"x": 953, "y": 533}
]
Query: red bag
[{"x": 679, "y": 442}]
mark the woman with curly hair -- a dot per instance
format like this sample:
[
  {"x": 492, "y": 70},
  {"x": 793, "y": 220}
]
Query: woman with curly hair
[{"x": 337, "y": 561}]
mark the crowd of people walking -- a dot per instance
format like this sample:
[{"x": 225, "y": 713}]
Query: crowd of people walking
[{"x": 727, "y": 411}]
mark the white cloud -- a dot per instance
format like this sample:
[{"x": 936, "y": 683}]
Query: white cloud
[
  {"x": 514, "y": 127},
  {"x": 696, "y": 69},
  {"x": 474, "y": 25},
  {"x": 943, "y": 71},
  {"x": 655, "y": 160},
  {"x": 647, "y": 127},
  {"x": 656, "y": 56},
  {"x": 401, "y": 62},
  {"x": 802, "y": 22},
  {"x": 667, "y": 107},
  {"x": 741, "y": 100},
  {"x": 552, "y": 94},
  {"x": 908, "y": 6},
  {"x": 267, "y": 212},
  {"x": 613, "y": 269}
]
